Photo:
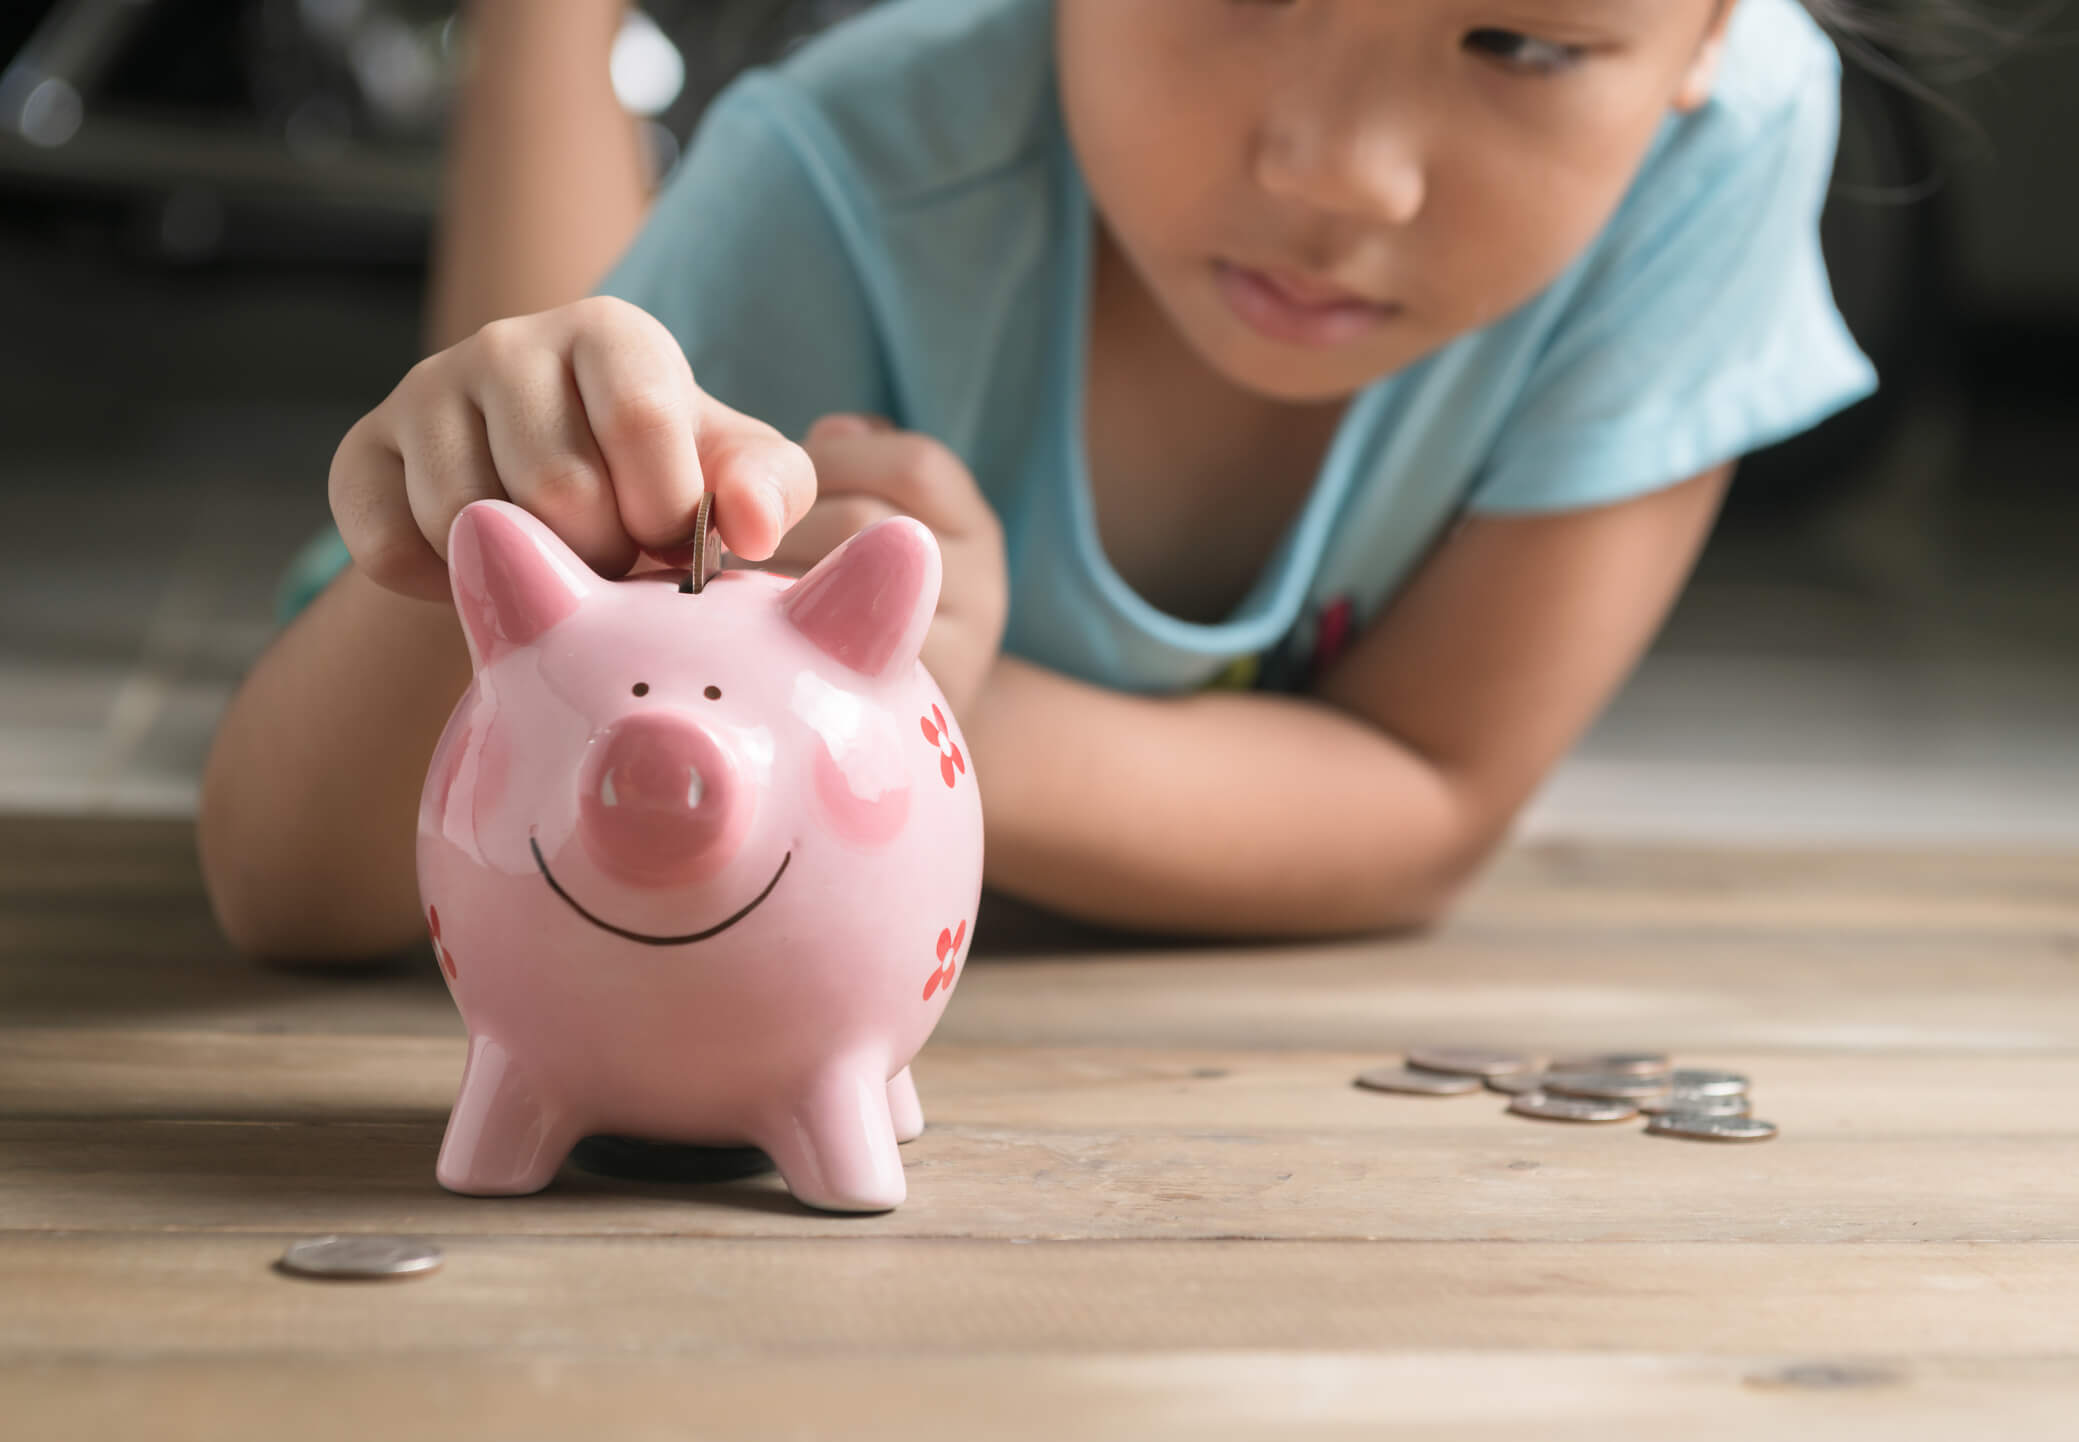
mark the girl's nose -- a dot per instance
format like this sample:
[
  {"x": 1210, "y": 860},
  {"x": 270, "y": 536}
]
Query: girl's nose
[
  {"x": 663, "y": 803},
  {"x": 1351, "y": 160}
]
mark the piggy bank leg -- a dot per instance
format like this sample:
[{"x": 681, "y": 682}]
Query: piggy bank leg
[
  {"x": 835, "y": 1143},
  {"x": 903, "y": 1107},
  {"x": 503, "y": 1137}
]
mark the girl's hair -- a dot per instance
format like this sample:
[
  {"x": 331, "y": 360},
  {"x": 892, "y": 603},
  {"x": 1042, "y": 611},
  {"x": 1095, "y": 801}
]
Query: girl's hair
[{"x": 1946, "y": 40}]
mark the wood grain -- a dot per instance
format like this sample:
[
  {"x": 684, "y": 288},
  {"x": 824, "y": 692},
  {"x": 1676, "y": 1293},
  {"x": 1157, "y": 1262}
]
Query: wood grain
[
  {"x": 981, "y": 1180},
  {"x": 1223, "y": 1396},
  {"x": 1148, "y": 1203},
  {"x": 53, "y": 1074},
  {"x": 76, "y": 1295}
]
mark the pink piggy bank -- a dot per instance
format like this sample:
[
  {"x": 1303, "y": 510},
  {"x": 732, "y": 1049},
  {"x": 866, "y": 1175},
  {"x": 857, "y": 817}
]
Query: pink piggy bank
[{"x": 699, "y": 867}]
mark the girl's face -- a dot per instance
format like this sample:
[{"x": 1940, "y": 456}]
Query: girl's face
[{"x": 1318, "y": 192}]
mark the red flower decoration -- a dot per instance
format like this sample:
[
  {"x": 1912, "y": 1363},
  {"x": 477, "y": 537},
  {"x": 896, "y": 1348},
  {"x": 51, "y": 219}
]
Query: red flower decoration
[
  {"x": 948, "y": 953},
  {"x": 441, "y": 954},
  {"x": 941, "y": 735}
]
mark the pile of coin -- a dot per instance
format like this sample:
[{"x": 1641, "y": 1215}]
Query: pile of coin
[{"x": 1687, "y": 1102}]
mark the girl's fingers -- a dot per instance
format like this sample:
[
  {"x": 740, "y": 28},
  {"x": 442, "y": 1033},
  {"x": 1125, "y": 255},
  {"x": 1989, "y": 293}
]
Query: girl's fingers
[
  {"x": 447, "y": 464},
  {"x": 912, "y": 473},
  {"x": 830, "y": 522},
  {"x": 663, "y": 439},
  {"x": 642, "y": 406},
  {"x": 763, "y": 482},
  {"x": 542, "y": 448},
  {"x": 366, "y": 487},
  {"x": 846, "y": 423}
]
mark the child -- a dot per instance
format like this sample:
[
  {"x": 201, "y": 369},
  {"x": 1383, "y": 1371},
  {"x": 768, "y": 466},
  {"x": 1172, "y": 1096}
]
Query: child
[{"x": 1319, "y": 404}]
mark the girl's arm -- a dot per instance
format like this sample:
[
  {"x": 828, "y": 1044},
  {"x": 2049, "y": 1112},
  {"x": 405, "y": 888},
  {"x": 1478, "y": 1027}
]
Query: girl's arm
[
  {"x": 1369, "y": 804},
  {"x": 545, "y": 182},
  {"x": 306, "y": 825}
]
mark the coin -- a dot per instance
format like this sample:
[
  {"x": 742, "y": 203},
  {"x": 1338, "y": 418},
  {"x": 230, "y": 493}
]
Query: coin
[
  {"x": 1605, "y": 1085},
  {"x": 1697, "y": 1126},
  {"x": 1516, "y": 1083},
  {"x": 1676, "y": 1100},
  {"x": 360, "y": 1256},
  {"x": 1548, "y": 1107},
  {"x": 1709, "y": 1083},
  {"x": 1417, "y": 1083},
  {"x": 708, "y": 558},
  {"x": 1470, "y": 1061},
  {"x": 1630, "y": 1063}
]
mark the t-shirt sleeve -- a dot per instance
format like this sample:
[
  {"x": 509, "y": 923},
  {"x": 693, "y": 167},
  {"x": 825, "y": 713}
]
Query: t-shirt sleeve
[
  {"x": 743, "y": 258},
  {"x": 1703, "y": 326}
]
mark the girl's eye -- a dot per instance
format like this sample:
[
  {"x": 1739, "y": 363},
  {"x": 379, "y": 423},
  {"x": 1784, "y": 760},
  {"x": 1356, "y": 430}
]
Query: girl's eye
[{"x": 1525, "y": 52}]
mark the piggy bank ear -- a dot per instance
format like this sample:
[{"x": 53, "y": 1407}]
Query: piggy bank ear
[
  {"x": 512, "y": 578},
  {"x": 869, "y": 602}
]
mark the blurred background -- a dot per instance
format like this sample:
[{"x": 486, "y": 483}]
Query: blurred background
[{"x": 214, "y": 218}]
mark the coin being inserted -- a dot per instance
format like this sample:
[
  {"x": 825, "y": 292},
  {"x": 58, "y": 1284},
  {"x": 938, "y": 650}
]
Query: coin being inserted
[
  {"x": 1417, "y": 1083},
  {"x": 1470, "y": 1061},
  {"x": 1547, "y": 1107},
  {"x": 708, "y": 558},
  {"x": 1697, "y": 1127},
  {"x": 360, "y": 1256}
]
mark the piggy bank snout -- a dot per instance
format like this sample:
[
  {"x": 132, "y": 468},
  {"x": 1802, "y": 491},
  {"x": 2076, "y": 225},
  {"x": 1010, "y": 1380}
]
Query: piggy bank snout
[{"x": 663, "y": 802}]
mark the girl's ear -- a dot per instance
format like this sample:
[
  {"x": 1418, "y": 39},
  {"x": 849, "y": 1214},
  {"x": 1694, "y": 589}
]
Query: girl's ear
[
  {"x": 512, "y": 578},
  {"x": 869, "y": 602},
  {"x": 1703, "y": 67}
]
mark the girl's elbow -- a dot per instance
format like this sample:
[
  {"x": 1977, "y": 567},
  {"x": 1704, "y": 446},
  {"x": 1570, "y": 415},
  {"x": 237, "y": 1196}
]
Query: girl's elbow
[{"x": 273, "y": 895}]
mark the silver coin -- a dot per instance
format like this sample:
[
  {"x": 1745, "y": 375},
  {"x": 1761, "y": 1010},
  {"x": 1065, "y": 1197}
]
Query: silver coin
[
  {"x": 1676, "y": 1100},
  {"x": 1471, "y": 1061},
  {"x": 1630, "y": 1063},
  {"x": 708, "y": 559},
  {"x": 1417, "y": 1083},
  {"x": 1547, "y": 1107},
  {"x": 1708, "y": 1083},
  {"x": 1697, "y": 1126},
  {"x": 361, "y": 1256},
  {"x": 1516, "y": 1083},
  {"x": 1604, "y": 1085}
]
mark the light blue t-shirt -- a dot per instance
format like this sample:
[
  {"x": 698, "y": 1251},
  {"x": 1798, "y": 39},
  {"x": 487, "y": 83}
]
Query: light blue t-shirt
[{"x": 893, "y": 220}]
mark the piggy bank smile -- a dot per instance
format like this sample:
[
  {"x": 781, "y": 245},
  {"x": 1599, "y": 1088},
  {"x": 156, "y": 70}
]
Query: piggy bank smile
[{"x": 690, "y": 937}]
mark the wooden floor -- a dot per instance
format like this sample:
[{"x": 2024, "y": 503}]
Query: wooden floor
[{"x": 1149, "y": 1202}]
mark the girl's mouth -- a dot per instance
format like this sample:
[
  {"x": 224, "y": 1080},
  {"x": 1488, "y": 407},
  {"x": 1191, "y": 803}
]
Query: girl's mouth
[{"x": 1284, "y": 311}]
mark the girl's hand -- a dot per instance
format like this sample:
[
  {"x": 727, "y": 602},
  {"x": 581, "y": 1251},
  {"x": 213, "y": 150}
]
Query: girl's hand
[
  {"x": 866, "y": 471},
  {"x": 586, "y": 415}
]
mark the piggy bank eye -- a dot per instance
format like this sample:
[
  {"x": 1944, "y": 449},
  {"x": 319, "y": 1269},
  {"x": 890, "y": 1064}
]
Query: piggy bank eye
[
  {"x": 642, "y": 688},
  {"x": 713, "y": 693}
]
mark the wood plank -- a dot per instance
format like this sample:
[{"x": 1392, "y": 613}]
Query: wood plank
[
  {"x": 1566, "y": 1396},
  {"x": 89, "y": 1075},
  {"x": 1543, "y": 988},
  {"x": 1754, "y": 888},
  {"x": 1491, "y": 1178},
  {"x": 1559, "y": 991},
  {"x": 148, "y": 1296}
]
